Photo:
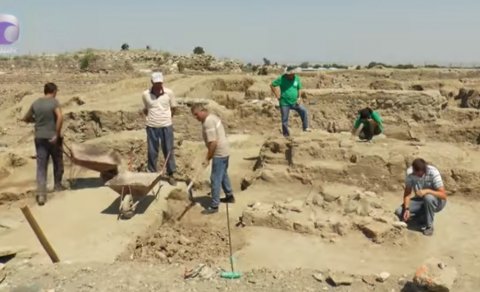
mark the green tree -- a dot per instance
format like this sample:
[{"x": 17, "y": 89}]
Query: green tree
[
  {"x": 125, "y": 47},
  {"x": 198, "y": 51},
  {"x": 305, "y": 65}
]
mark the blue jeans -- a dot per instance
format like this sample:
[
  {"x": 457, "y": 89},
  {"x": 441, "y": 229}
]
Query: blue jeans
[
  {"x": 424, "y": 208},
  {"x": 155, "y": 137},
  {"x": 219, "y": 178},
  {"x": 285, "y": 110}
]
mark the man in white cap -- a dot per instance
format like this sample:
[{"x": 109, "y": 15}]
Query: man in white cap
[
  {"x": 290, "y": 92},
  {"x": 159, "y": 108}
]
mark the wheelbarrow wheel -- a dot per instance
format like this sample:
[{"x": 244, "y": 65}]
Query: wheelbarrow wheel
[{"x": 126, "y": 207}]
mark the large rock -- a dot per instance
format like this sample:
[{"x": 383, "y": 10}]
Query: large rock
[
  {"x": 265, "y": 215},
  {"x": 375, "y": 230},
  {"x": 435, "y": 276}
]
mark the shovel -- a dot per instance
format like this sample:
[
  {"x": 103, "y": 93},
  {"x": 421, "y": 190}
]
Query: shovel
[{"x": 190, "y": 193}]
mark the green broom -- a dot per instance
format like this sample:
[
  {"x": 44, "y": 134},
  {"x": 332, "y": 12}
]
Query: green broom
[{"x": 232, "y": 274}]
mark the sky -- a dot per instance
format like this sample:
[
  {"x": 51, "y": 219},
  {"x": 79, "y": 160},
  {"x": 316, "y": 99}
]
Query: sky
[{"x": 342, "y": 31}]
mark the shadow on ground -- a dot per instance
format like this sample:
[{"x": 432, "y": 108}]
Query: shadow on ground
[
  {"x": 86, "y": 183},
  {"x": 142, "y": 206}
]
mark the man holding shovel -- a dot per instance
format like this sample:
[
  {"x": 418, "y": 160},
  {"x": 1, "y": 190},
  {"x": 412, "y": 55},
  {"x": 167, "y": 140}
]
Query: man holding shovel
[
  {"x": 159, "y": 108},
  {"x": 218, "y": 152}
]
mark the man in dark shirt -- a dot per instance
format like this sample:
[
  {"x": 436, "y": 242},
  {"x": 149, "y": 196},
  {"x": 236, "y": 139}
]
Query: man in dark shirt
[{"x": 45, "y": 112}]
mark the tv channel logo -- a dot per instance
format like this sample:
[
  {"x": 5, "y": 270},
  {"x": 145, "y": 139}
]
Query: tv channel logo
[{"x": 9, "y": 29}]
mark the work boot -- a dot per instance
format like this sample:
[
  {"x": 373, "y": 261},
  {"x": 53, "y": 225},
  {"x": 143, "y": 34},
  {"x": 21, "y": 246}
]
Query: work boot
[
  {"x": 427, "y": 230},
  {"x": 59, "y": 188},
  {"x": 171, "y": 180},
  {"x": 228, "y": 199},
  {"x": 41, "y": 199},
  {"x": 210, "y": 210}
]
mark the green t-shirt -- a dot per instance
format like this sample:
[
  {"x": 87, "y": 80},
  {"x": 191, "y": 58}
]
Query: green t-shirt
[
  {"x": 375, "y": 116},
  {"x": 288, "y": 89}
]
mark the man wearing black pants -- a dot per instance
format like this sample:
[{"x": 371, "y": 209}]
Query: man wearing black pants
[{"x": 45, "y": 112}]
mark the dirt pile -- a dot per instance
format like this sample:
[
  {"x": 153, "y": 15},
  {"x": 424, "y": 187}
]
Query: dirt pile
[{"x": 178, "y": 243}]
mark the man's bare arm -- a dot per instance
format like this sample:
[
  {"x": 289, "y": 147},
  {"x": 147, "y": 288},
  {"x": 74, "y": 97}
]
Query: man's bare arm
[
  {"x": 407, "y": 196},
  {"x": 28, "y": 118},
  {"x": 59, "y": 123},
  {"x": 275, "y": 92},
  {"x": 212, "y": 145},
  {"x": 440, "y": 193}
]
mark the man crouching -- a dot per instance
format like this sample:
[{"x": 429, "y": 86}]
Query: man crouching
[{"x": 430, "y": 197}]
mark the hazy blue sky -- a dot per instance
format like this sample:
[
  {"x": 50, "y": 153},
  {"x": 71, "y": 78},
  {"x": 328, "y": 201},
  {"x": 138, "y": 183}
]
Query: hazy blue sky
[{"x": 349, "y": 31}]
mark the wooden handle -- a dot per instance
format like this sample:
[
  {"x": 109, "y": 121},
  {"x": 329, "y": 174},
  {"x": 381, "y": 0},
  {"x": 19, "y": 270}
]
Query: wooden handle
[{"x": 40, "y": 235}]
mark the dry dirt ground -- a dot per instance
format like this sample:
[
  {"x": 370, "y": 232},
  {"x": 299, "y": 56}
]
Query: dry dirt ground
[{"x": 316, "y": 203}]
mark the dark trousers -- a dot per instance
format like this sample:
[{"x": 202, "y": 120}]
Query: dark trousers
[
  {"x": 45, "y": 150},
  {"x": 369, "y": 130},
  {"x": 157, "y": 137}
]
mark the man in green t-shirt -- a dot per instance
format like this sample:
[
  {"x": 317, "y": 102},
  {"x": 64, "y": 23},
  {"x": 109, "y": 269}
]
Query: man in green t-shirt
[
  {"x": 371, "y": 122},
  {"x": 290, "y": 91}
]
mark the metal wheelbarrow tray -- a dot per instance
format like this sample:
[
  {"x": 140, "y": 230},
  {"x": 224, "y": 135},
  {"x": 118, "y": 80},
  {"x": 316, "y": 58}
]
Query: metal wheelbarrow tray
[
  {"x": 133, "y": 187},
  {"x": 95, "y": 158}
]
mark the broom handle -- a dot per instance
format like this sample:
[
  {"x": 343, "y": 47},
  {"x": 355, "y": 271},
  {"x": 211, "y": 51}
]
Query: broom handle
[{"x": 230, "y": 240}]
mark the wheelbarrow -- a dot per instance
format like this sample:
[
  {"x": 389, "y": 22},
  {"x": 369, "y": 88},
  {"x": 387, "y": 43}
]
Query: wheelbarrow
[
  {"x": 133, "y": 188},
  {"x": 94, "y": 158}
]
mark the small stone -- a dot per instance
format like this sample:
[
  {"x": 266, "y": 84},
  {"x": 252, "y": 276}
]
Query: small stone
[
  {"x": 252, "y": 281},
  {"x": 402, "y": 281},
  {"x": 400, "y": 224},
  {"x": 161, "y": 255},
  {"x": 329, "y": 197},
  {"x": 294, "y": 206},
  {"x": 353, "y": 158},
  {"x": 325, "y": 288},
  {"x": 9, "y": 251},
  {"x": 370, "y": 280},
  {"x": 318, "y": 276},
  {"x": 383, "y": 276},
  {"x": 184, "y": 241},
  {"x": 338, "y": 279},
  {"x": 303, "y": 227},
  {"x": 442, "y": 266},
  {"x": 317, "y": 200}
]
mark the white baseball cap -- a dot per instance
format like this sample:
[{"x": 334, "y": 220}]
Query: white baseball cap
[{"x": 157, "y": 77}]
